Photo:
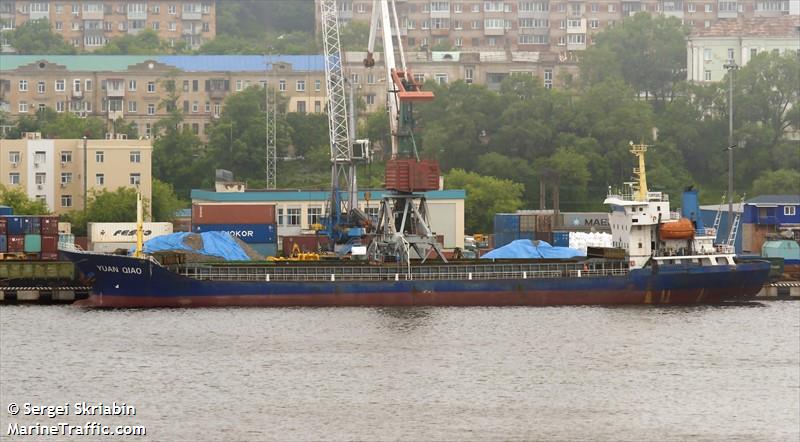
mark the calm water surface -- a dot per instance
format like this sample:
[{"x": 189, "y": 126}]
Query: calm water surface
[{"x": 588, "y": 373}]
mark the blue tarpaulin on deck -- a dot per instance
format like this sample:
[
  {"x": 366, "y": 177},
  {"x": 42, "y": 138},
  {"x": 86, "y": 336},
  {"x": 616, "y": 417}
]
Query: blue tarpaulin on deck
[
  {"x": 527, "y": 249},
  {"x": 218, "y": 244}
]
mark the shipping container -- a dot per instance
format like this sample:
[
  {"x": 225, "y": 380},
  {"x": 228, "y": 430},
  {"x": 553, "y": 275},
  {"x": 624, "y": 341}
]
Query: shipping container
[
  {"x": 582, "y": 221},
  {"x": 33, "y": 243},
  {"x": 502, "y": 239},
  {"x": 3, "y": 244},
  {"x": 31, "y": 225},
  {"x": 265, "y": 249},
  {"x": 412, "y": 175},
  {"x": 233, "y": 214},
  {"x": 49, "y": 243},
  {"x": 249, "y": 233},
  {"x": 506, "y": 223},
  {"x": 306, "y": 243},
  {"x": 125, "y": 232},
  {"x": 544, "y": 223},
  {"x": 14, "y": 225},
  {"x": 64, "y": 227},
  {"x": 16, "y": 243},
  {"x": 49, "y": 225},
  {"x": 527, "y": 223},
  {"x": 544, "y": 236},
  {"x": 561, "y": 239},
  {"x": 5, "y": 211},
  {"x": 3, "y": 226}
]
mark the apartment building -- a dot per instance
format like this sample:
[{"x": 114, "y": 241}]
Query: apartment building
[
  {"x": 61, "y": 172},
  {"x": 710, "y": 49},
  {"x": 88, "y": 24},
  {"x": 133, "y": 87},
  {"x": 559, "y": 27}
]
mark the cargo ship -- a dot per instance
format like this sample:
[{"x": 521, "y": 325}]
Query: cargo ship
[{"x": 664, "y": 261}]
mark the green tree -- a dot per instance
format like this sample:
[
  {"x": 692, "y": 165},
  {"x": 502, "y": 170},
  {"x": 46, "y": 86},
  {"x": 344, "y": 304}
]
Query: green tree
[
  {"x": 146, "y": 42},
  {"x": 37, "y": 37},
  {"x": 777, "y": 182},
  {"x": 105, "y": 206},
  {"x": 67, "y": 125},
  {"x": 164, "y": 202},
  {"x": 485, "y": 197},
  {"x": 649, "y": 52},
  {"x": 573, "y": 171},
  {"x": 18, "y": 200}
]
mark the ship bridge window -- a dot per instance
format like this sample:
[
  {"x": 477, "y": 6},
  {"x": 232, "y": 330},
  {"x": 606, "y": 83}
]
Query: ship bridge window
[{"x": 721, "y": 260}]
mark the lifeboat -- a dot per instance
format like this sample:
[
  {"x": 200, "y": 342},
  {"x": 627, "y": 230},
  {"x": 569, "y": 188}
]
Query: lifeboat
[{"x": 681, "y": 229}]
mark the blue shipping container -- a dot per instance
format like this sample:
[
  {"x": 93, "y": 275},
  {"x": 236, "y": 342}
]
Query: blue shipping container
[
  {"x": 249, "y": 233},
  {"x": 3, "y": 244},
  {"x": 15, "y": 225},
  {"x": 5, "y": 210},
  {"x": 561, "y": 239},
  {"x": 501, "y": 239},
  {"x": 265, "y": 249},
  {"x": 506, "y": 223},
  {"x": 31, "y": 225}
]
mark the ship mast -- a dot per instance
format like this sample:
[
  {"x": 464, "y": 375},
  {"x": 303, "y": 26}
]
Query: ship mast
[{"x": 640, "y": 172}]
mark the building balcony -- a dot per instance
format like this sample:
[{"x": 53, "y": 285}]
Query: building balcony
[
  {"x": 191, "y": 31},
  {"x": 576, "y": 26},
  {"x": 494, "y": 31},
  {"x": 115, "y": 115},
  {"x": 217, "y": 93},
  {"x": 77, "y": 95},
  {"x": 39, "y": 15},
  {"x": 92, "y": 15},
  {"x": 440, "y": 31},
  {"x": 193, "y": 15},
  {"x": 533, "y": 14},
  {"x": 115, "y": 92},
  {"x": 440, "y": 14},
  {"x": 137, "y": 15},
  {"x": 576, "y": 46}
]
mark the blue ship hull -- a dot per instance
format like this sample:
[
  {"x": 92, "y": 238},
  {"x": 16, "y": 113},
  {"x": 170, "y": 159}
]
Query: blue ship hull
[{"x": 126, "y": 282}]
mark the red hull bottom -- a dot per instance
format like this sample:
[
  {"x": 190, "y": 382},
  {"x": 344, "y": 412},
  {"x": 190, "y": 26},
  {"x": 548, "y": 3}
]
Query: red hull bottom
[{"x": 459, "y": 299}]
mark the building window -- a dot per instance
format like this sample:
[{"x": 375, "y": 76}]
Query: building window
[
  {"x": 293, "y": 216},
  {"x": 151, "y": 109},
  {"x": 730, "y": 54},
  {"x": 317, "y": 85},
  {"x": 66, "y": 200},
  {"x": 789, "y": 210},
  {"x": 707, "y": 54},
  {"x": 548, "y": 78},
  {"x": 195, "y": 85},
  {"x": 282, "y": 85},
  {"x": 594, "y": 23},
  {"x": 88, "y": 85},
  {"x": 59, "y": 106},
  {"x": 135, "y": 179},
  {"x": 132, "y": 107},
  {"x": 39, "y": 158},
  {"x": 136, "y": 156},
  {"x": 238, "y": 85},
  {"x": 23, "y": 85},
  {"x": 314, "y": 215},
  {"x": 370, "y": 99},
  {"x": 155, "y": 26},
  {"x": 41, "y": 178},
  {"x": 208, "y": 106},
  {"x": 301, "y": 86},
  {"x": 13, "y": 178},
  {"x": 66, "y": 156},
  {"x": 195, "y": 107},
  {"x": 171, "y": 9},
  {"x": 317, "y": 106},
  {"x": 173, "y": 26},
  {"x": 196, "y": 128},
  {"x": 61, "y": 85},
  {"x": 99, "y": 156},
  {"x": 151, "y": 86},
  {"x": 23, "y": 107},
  {"x": 709, "y": 8},
  {"x": 100, "y": 179},
  {"x": 441, "y": 78},
  {"x": 691, "y": 7},
  {"x": 66, "y": 177},
  {"x": 707, "y": 75},
  {"x": 280, "y": 217},
  {"x": 132, "y": 85}
]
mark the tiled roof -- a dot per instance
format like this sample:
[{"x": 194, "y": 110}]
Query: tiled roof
[
  {"x": 765, "y": 27},
  {"x": 189, "y": 63},
  {"x": 774, "y": 199}
]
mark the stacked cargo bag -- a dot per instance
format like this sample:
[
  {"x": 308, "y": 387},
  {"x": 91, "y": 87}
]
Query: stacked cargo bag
[{"x": 253, "y": 224}]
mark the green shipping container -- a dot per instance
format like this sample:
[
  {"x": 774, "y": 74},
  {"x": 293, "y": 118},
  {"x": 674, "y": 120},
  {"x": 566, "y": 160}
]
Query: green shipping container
[
  {"x": 33, "y": 243},
  {"x": 62, "y": 270}
]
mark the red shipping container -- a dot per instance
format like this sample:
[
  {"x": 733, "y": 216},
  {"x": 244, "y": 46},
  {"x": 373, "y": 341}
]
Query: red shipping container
[
  {"x": 82, "y": 242},
  {"x": 16, "y": 243},
  {"x": 233, "y": 214},
  {"x": 307, "y": 243},
  {"x": 49, "y": 256},
  {"x": 49, "y": 243},
  {"x": 412, "y": 175},
  {"x": 3, "y": 226},
  {"x": 49, "y": 225}
]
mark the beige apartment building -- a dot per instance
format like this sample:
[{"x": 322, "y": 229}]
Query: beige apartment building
[
  {"x": 133, "y": 87},
  {"x": 90, "y": 24},
  {"x": 559, "y": 27},
  {"x": 61, "y": 172},
  {"x": 709, "y": 50}
]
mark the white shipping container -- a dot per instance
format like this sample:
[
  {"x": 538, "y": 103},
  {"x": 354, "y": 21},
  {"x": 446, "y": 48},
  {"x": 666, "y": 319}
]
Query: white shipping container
[
  {"x": 125, "y": 232},
  {"x": 64, "y": 228}
]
